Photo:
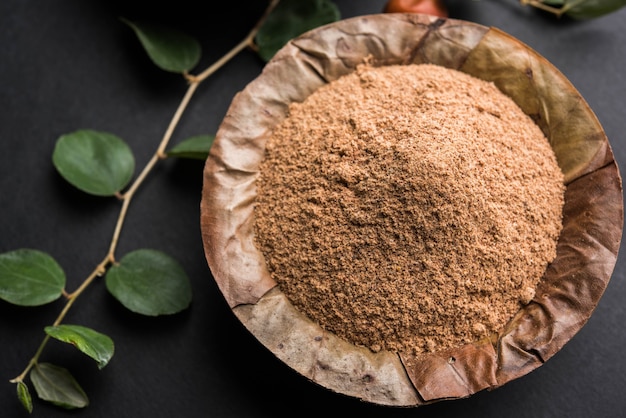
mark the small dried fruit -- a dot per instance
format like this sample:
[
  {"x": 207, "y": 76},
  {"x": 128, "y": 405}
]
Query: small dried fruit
[{"x": 430, "y": 7}]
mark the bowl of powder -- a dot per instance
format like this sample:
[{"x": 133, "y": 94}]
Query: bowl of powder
[{"x": 406, "y": 209}]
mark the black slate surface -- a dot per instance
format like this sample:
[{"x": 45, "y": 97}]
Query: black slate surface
[{"x": 70, "y": 64}]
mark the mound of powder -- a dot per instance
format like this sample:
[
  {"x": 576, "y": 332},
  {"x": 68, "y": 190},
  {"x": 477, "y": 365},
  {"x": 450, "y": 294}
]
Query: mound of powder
[{"x": 408, "y": 208}]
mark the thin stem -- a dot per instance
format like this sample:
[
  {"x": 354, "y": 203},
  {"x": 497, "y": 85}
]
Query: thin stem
[
  {"x": 558, "y": 11},
  {"x": 100, "y": 270},
  {"x": 158, "y": 155},
  {"x": 177, "y": 116},
  {"x": 570, "y": 5},
  {"x": 71, "y": 298},
  {"x": 248, "y": 41},
  {"x": 97, "y": 272},
  {"x": 219, "y": 63},
  {"x": 32, "y": 362}
]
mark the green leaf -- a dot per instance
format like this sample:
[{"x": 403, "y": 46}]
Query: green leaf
[
  {"x": 56, "y": 385},
  {"x": 98, "y": 163},
  {"x": 24, "y": 396},
  {"x": 588, "y": 9},
  {"x": 169, "y": 49},
  {"x": 149, "y": 282},
  {"x": 94, "y": 344},
  {"x": 30, "y": 278},
  {"x": 196, "y": 147},
  {"x": 292, "y": 18}
]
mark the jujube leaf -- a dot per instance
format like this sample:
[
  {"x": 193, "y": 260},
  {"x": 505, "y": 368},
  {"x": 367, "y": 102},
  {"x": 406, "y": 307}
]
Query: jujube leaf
[
  {"x": 57, "y": 385},
  {"x": 149, "y": 282},
  {"x": 196, "y": 147},
  {"x": 169, "y": 49},
  {"x": 588, "y": 9},
  {"x": 96, "y": 345},
  {"x": 30, "y": 277},
  {"x": 290, "y": 19},
  {"x": 96, "y": 162},
  {"x": 23, "y": 394}
]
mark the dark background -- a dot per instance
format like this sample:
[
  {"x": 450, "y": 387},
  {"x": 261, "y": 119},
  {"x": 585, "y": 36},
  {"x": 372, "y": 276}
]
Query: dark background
[{"x": 71, "y": 64}]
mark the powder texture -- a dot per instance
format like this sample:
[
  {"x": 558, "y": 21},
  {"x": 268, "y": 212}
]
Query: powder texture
[{"x": 408, "y": 208}]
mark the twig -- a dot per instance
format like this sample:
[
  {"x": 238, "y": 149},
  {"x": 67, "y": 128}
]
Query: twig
[{"x": 101, "y": 268}]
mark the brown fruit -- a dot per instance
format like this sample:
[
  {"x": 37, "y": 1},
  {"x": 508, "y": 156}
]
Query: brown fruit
[{"x": 429, "y": 7}]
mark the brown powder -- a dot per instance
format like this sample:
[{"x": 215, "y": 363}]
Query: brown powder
[{"x": 408, "y": 208}]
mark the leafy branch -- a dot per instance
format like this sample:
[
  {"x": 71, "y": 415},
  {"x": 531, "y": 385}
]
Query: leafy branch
[
  {"x": 577, "y": 9},
  {"x": 145, "y": 281}
]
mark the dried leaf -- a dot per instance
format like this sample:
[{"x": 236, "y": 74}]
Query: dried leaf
[{"x": 570, "y": 289}]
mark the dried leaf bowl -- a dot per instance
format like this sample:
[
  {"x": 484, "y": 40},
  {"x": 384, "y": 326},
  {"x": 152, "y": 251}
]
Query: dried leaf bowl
[{"x": 567, "y": 293}]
